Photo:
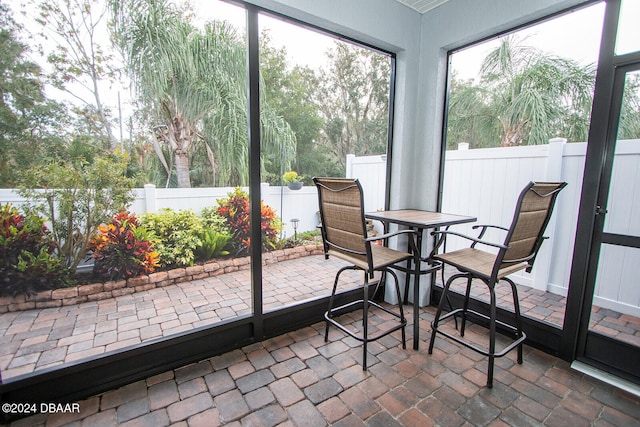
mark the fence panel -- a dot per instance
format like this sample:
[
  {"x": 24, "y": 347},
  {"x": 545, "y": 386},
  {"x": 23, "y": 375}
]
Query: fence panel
[
  {"x": 371, "y": 171},
  {"x": 486, "y": 183},
  {"x": 482, "y": 182}
]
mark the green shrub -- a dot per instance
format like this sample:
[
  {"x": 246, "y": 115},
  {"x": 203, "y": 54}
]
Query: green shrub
[
  {"x": 27, "y": 260},
  {"x": 308, "y": 235},
  {"x": 123, "y": 249},
  {"x": 303, "y": 238},
  {"x": 76, "y": 197},
  {"x": 212, "y": 245},
  {"x": 211, "y": 219},
  {"x": 176, "y": 236}
]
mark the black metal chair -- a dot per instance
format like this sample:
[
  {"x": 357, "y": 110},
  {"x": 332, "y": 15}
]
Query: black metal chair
[
  {"x": 344, "y": 236},
  {"x": 517, "y": 252}
]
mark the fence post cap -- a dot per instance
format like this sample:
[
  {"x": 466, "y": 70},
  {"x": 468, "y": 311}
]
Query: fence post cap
[{"x": 557, "y": 139}]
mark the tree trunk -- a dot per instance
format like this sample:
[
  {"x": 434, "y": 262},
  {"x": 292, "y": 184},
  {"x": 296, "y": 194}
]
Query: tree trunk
[
  {"x": 182, "y": 168},
  {"x": 180, "y": 137}
]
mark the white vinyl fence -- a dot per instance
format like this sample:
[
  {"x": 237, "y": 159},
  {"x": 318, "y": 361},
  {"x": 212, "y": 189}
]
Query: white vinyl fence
[
  {"x": 484, "y": 183},
  {"x": 371, "y": 171},
  {"x": 289, "y": 204}
]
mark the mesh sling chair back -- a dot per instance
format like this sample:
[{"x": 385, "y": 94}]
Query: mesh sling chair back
[
  {"x": 518, "y": 252},
  {"x": 344, "y": 236}
]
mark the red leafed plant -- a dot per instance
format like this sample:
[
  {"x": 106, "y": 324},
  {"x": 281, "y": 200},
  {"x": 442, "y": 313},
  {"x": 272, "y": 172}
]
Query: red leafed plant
[
  {"x": 235, "y": 209},
  {"x": 27, "y": 255},
  {"x": 123, "y": 249}
]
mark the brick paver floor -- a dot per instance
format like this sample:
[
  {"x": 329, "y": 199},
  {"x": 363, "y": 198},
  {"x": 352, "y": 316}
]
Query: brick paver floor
[
  {"x": 550, "y": 308},
  {"x": 42, "y": 338},
  {"x": 297, "y": 379},
  {"x": 37, "y": 339}
]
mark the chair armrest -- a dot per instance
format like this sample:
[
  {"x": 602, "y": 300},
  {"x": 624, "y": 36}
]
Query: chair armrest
[
  {"x": 484, "y": 228},
  {"x": 410, "y": 233},
  {"x": 387, "y": 235},
  {"x": 475, "y": 240}
]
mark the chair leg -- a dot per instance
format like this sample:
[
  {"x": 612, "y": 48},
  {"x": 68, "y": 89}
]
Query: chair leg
[
  {"x": 518, "y": 316},
  {"x": 465, "y": 306},
  {"x": 331, "y": 298},
  {"x": 366, "y": 303},
  {"x": 365, "y": 321},
  {"x": 436, "y": 319},
  {"x": 402, "y": 319},
  {"x": 492, "y": 334},
  {"x": 455, "y": 317},
  {"x": 491, "y": 318}
]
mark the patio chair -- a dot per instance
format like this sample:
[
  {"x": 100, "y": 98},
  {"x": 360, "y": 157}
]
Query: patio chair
[
  {"x": 344, "y": 236},
  {"x": 517, "y": 252}
]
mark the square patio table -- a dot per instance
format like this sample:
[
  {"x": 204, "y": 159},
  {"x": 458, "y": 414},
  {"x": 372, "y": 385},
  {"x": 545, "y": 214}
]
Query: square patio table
[{"x": 420, "y": 221}]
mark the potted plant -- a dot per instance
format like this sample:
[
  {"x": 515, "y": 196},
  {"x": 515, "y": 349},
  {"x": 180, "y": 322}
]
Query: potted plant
[{"x": 293, "y": 180}]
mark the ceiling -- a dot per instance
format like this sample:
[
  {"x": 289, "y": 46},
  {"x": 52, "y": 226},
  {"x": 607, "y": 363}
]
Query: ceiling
[{"x": 422, "y": 6}]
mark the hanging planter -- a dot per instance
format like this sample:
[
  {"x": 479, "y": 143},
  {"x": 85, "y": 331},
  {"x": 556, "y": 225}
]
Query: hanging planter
[
  {"x": 294, "y": 185},
  {"x": 293, "y": 180}
]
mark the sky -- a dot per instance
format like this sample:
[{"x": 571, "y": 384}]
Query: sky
[
  {"x": 304, "y": 47},
  {"x": 575, "y": 35}
]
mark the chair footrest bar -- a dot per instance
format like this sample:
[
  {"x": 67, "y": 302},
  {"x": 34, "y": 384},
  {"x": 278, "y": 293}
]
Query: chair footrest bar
[
  {"x": 361, "y": 338},
  {"x": 427, "y": 270},
  {"x": 355, "y": 335},
  {"x": 467, "y": 344},
  {"x": 357, "y": 302}
]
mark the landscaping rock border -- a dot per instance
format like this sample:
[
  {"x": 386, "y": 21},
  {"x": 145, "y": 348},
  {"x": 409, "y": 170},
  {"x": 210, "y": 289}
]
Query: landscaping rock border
[{"x": 111, "y": 289}]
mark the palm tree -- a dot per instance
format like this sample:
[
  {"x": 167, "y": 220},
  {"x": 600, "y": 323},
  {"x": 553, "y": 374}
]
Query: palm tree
[
  {"x": 470, "y": 119},
  {"x": 195, "y": 81},
  {"x": 525, "y": 97}
]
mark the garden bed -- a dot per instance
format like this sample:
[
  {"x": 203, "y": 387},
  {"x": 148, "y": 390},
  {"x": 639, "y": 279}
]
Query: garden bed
[{"x": 111, "y": 289}]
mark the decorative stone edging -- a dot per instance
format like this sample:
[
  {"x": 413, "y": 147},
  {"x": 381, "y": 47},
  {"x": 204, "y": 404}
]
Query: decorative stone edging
[{"x": 100, "y": 291}]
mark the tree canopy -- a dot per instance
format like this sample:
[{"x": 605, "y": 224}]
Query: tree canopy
[
  {"x": 524, "y": 97},
  {"x": 194, "y": 80},
  {"x": 188, "y": 124},
  {"x": 355, "y": 101},
  {"x": 81, "y": 60},
  {"x": 31, "y": 125}
]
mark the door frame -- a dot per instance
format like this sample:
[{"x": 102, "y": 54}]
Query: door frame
[
  {"x": 607, "y": 353},
  {"x": 579, "y": 343}
]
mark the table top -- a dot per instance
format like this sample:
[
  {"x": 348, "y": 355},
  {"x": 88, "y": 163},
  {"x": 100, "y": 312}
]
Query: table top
[{"x": 419, "y": 218}]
